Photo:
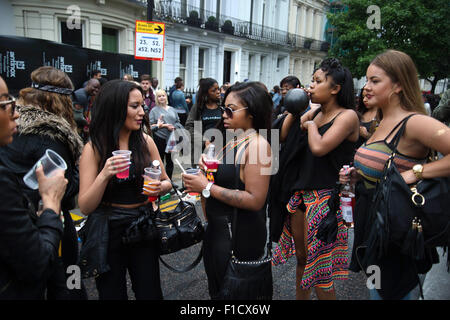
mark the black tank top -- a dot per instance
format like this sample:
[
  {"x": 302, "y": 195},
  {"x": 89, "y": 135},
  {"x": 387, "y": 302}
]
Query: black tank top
[
  {"x": 249, "y": 245},
  {"x": 124, "y": 191},
  {"x": 323, "y": 172}
]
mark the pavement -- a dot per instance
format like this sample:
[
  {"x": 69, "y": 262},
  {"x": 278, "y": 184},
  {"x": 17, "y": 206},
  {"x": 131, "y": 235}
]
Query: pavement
[{"x": 193, "y": 285}]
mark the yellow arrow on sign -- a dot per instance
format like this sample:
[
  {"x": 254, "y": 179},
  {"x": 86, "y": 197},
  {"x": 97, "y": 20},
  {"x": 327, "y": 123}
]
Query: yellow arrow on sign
[{"x": 150, "y": 27}]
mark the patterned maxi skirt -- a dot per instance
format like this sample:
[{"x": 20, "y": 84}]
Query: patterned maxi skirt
[{"x": 325, "y": 263}]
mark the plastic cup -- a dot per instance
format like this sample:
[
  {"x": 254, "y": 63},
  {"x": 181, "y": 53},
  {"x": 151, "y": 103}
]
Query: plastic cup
[
  {"x": 154, "y": 174},
  {"x": 127, "y": 155},
  {"x": 211, "y": 164},
  {"x": 193, "y": 171},
  {"x": 50, "y": 161}
]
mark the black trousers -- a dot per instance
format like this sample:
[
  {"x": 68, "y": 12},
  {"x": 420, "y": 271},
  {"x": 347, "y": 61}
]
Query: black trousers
[
  {"x": 161, "y": 145},
  {"x": 141, "y": 262}
]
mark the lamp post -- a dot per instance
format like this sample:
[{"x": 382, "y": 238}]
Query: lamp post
[{"x": 150, "y": 7}]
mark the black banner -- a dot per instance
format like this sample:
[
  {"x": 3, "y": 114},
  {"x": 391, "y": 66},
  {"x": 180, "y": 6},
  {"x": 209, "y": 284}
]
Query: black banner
[{"x": 19, "y": 56}]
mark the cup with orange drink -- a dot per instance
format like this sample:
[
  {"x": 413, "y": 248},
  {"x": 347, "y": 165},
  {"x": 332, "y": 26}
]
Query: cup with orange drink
[{"x": 151, "y": 175}]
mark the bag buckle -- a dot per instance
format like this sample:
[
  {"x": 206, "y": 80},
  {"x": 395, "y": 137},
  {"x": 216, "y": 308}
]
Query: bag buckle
[{"x": 417, "y": 198}]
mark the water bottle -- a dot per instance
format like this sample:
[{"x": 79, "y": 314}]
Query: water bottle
[{"x": 347, "y": 201}]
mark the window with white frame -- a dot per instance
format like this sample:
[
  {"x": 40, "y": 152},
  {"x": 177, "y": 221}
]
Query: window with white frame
[
  {"x": 201, "y": 63},
  {"x": 183, "y": 62}
]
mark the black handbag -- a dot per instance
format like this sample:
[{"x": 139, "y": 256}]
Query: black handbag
[
  {"x": 328, "y": 227},
  {"x": 412, "y": 217},
  {"x": 178, "y": 229},
  {"x": 247, "y": 280}
]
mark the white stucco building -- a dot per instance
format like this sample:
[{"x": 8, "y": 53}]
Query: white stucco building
[{"x": 265, "y": 41}]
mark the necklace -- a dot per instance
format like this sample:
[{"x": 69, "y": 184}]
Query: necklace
[{"x": 233, "y": 144}]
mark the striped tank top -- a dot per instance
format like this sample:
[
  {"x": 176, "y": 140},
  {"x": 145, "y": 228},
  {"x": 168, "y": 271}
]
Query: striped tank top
[{"x": 371, "y": 158}]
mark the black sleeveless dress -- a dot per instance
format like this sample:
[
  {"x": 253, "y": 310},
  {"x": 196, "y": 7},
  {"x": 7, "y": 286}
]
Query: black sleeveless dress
[{"x": 251, "y": 232}]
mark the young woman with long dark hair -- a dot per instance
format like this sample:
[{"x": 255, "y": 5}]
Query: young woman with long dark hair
[
  {"x": 112, "y": 204},
  {"x": 206, "y": 109}
]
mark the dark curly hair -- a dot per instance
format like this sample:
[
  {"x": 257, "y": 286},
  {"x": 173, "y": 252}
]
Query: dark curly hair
[{"x": 340, "y": 75}]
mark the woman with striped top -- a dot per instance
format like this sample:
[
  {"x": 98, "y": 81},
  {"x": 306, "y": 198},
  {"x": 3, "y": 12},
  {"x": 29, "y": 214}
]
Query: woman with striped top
[{"x": 393, "y": 86}]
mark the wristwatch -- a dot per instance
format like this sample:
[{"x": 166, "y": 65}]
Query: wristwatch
[
  {"x": 205, "y": 192},
  {"x": 418, "y": 169}
]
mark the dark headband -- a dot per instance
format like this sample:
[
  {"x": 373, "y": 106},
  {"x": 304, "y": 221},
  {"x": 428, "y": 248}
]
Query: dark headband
[{"x": 50, "y": 88}]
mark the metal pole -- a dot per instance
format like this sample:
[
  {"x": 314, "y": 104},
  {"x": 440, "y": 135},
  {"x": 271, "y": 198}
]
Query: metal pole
[{"x": 150, "y": 7}]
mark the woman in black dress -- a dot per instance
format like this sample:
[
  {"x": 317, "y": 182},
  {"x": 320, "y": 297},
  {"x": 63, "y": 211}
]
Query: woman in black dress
[
  {"x": 247, "y": 107},
  {"x": 368, "y": 118}
]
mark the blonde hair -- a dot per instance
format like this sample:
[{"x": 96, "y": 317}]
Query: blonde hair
[
  {"x": 401, "y": 70},
  {"x": 160, "y": 92},
  {"x": 59, "y": 104}
]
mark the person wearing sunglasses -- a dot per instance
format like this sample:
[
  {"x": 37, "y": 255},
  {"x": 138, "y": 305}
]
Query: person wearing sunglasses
[
  {"x": 28, "y": 239},
  {"x": 8, "y": 103},
  {"x": 247, "y": 161}
]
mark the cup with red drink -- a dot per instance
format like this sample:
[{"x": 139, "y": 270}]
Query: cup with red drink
[{"x": 126, "y": 154}]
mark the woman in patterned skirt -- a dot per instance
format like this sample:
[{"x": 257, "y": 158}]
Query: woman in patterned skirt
[{"x": 332, "y": 133}]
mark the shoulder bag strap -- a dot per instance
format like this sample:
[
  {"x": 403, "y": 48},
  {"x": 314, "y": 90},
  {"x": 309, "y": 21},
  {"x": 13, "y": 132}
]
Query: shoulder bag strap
[
  {"x": 395, "y": 141},
  {"x": 196, "y": 261},
  {"x": 185, "y": 269}
]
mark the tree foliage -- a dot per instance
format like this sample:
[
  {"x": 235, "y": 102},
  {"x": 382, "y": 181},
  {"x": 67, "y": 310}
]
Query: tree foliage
[{"x": 418, "y": 27}]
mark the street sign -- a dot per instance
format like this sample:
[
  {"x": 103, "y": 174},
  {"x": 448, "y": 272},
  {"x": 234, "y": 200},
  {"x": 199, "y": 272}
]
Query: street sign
[{"x": 149, "y": 40}]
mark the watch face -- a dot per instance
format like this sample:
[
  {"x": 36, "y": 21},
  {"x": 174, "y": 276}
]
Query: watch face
[{"x": 206, "y": 193}]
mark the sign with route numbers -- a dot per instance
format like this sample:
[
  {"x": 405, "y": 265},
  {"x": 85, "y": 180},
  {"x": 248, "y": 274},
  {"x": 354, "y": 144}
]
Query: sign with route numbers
[{"x": 149, "y": 40}]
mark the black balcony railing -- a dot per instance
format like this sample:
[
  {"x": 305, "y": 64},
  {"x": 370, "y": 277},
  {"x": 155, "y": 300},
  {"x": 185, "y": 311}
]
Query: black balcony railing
[{"x": 181, "y": 13}]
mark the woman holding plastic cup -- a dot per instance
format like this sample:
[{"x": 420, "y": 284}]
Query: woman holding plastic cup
[
  {"x": 28, "y": 240},
  {"x": 241, "y": 181},
  {"x": 112, "y": 200}
]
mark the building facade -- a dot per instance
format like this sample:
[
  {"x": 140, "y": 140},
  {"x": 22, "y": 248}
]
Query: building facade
[{"x": 260, "y": 40}]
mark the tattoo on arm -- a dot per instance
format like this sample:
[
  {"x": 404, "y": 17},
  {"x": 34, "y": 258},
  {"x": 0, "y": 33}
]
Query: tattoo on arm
[{"x": 233, "y": 197}]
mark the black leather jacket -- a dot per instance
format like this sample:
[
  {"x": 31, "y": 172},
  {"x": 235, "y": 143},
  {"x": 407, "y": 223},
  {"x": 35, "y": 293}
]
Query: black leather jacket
[{"x": 28, "y": 244}]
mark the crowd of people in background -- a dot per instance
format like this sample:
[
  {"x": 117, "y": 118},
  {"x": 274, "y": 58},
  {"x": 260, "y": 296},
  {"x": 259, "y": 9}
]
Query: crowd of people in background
[{"x": 84, "y": 126}]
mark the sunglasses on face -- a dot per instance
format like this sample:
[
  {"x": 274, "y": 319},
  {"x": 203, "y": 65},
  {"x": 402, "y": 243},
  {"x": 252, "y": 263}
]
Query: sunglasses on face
[
  {"x": 229, "y": 112},
  {"x": 9, "y": 105}
]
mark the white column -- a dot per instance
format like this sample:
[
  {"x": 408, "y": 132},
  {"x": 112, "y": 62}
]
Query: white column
[
  {"x": 304, "y": 76},
  {"x": 318, "y": 27},
  {"x": 293, "y": 18},
  {"x": 219, "y": 62},
  {"x": 303, "y": 21},
  {"x": 194, "y": 70},
  {"x": 310, "y": 23}
]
